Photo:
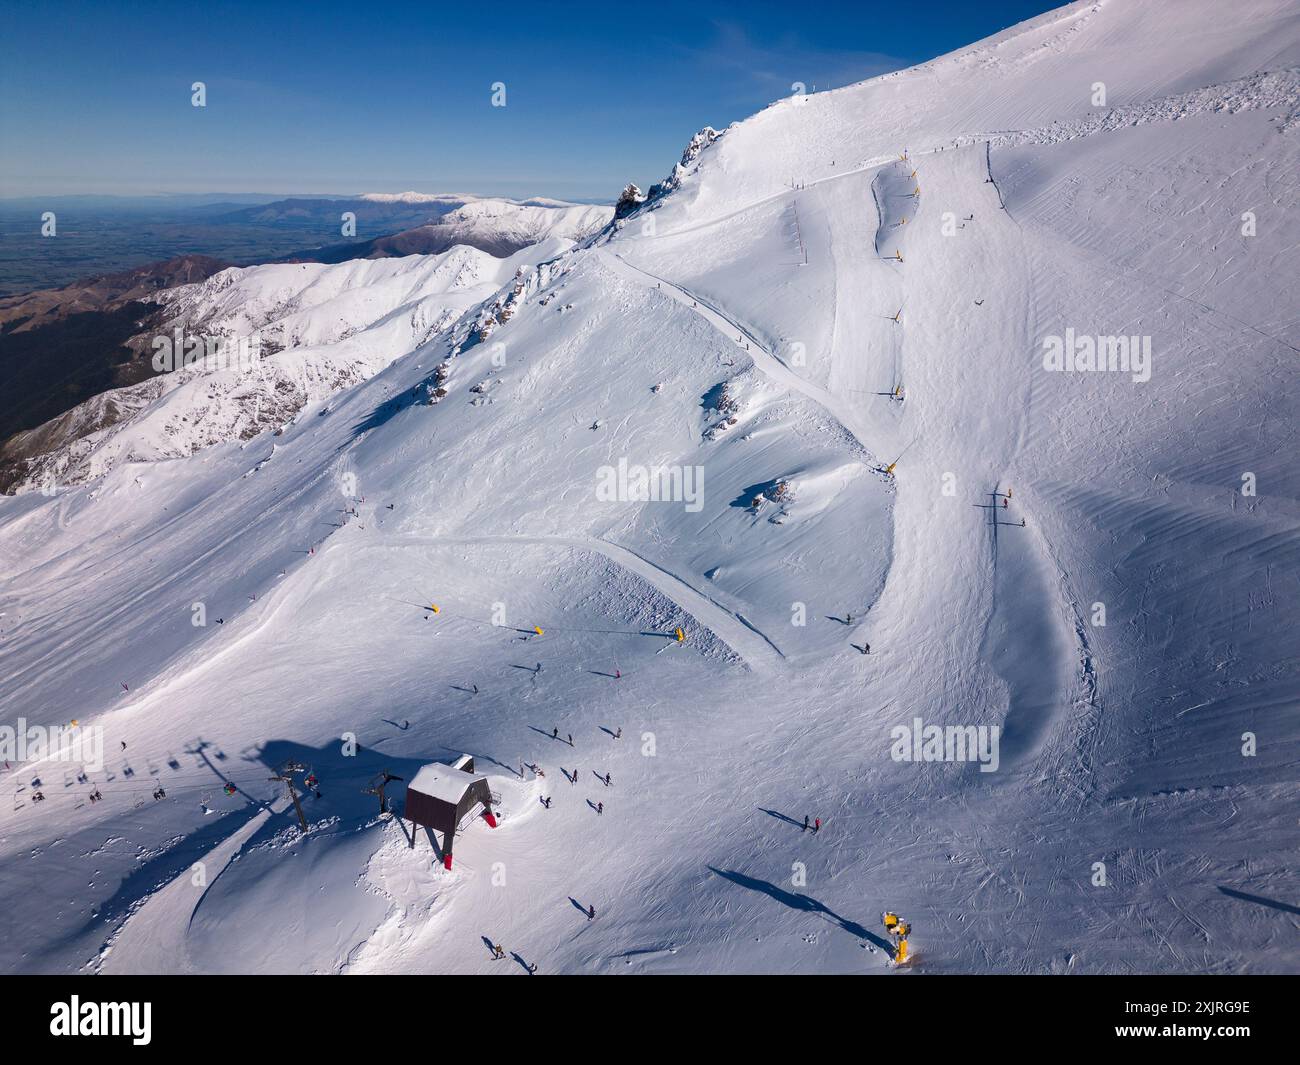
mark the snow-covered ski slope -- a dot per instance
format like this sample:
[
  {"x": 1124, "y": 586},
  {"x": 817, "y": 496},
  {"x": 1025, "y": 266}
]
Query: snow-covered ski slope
[{"x": 836, "y": 286}]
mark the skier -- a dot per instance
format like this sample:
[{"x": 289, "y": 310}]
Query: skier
[
  {"x": 570, "y": 739},
  {"x": 591, "y": 913},
  {"x": 600, "y": 807},
  {"x": 555, "y": 732},
  {"x": 497, "y": 952},
  {"x": 618, "y": 674},
  {"x": 817, "y": 825},
  {"x": 619, "y": 734},
  {"x": 546, "y": 801},
  {"x": 532, "y": 969},
  {"x": 124, "y": 745},
  {"x": 607, "y": 780},
  {"x": 866, "y": 648}
]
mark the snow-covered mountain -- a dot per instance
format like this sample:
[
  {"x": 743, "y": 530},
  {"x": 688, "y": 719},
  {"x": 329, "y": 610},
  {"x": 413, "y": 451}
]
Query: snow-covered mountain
[
  {"x": 797, "y": 404},
  {"x": 265, "y": 342},
  {"x": 499, "y": 227}
]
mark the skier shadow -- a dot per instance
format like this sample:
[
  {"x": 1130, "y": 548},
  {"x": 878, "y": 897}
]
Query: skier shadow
[
  {"x": 1273, "y": 904},
  {"x": 782, "y": 817},
  {"x": 800, "y": 902},
  {"x": 558, "y": 739}
]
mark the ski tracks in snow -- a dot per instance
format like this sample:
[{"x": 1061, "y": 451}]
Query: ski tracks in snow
[
  {"x": 734, "y": 629},
  {"x": 766, "y": 362}
]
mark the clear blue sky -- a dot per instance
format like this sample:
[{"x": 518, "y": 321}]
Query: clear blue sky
[{"x": 357, "y": 97}]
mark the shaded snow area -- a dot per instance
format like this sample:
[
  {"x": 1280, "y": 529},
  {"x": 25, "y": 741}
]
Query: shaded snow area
[{"x": 796, "y": 406}]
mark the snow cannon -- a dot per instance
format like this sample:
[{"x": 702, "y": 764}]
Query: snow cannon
[
  {"x": 490, "y": 818},
  {"x": 446, "y": 861}
]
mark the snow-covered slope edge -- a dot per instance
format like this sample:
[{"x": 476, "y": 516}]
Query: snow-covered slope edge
[{"x": 780, "y": 345}]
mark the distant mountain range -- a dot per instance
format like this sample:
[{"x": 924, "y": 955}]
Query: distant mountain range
[{"x": 72, "y": 358}]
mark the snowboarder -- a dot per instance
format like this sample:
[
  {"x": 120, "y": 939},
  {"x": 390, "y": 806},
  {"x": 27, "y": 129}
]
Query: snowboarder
[{"x": 866, "y": 648}]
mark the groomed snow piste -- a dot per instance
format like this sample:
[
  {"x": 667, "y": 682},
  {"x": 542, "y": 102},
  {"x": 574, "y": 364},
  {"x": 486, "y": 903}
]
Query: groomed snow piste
[{"x": 845, "y": 282}]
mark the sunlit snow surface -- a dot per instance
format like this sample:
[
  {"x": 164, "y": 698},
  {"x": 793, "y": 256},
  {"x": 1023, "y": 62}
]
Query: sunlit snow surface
[{"x": 1122, "y": 742}]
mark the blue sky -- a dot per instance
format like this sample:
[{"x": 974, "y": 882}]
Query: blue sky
[{"x": 348, "y": 98}]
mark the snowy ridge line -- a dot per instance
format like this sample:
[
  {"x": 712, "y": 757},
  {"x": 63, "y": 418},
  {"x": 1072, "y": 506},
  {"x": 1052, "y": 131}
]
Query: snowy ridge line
[
  {"x": 155, "y": 927},
  {"x": 1261, "y": 91},
  {"x": 767, "y": 363},
  {"x": 1272, "y": 89}
]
